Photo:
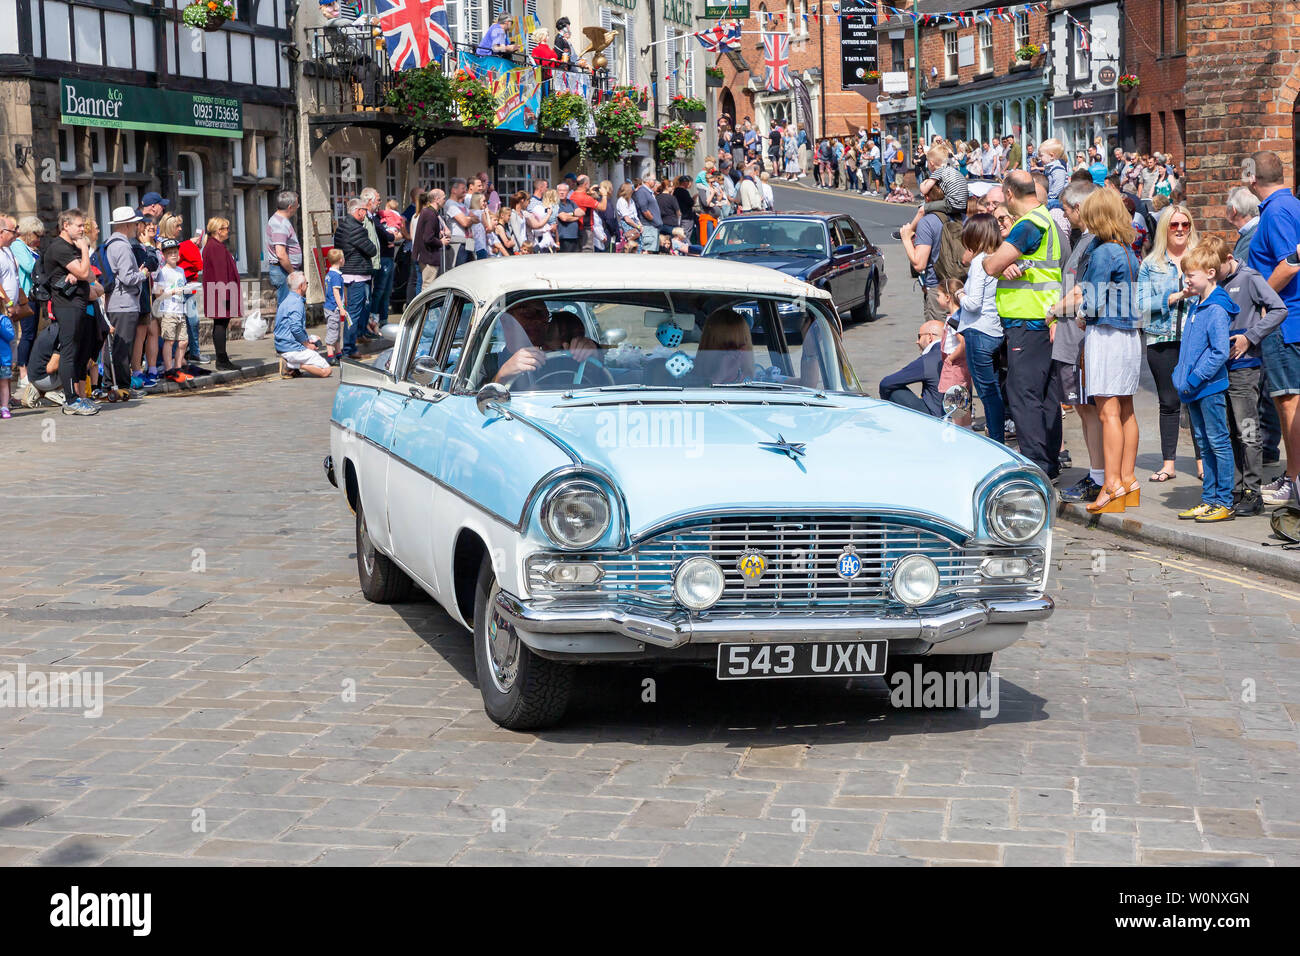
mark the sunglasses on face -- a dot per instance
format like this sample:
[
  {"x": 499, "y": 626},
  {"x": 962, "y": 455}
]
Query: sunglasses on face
[{"x": 1180, "y": 227}]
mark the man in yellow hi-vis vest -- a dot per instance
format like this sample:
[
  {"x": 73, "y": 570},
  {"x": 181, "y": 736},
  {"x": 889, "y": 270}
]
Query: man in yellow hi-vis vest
[{"x": 1028, "y": 268}]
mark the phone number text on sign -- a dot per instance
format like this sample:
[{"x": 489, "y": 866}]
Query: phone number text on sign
[{"x": 216, "y": 111}]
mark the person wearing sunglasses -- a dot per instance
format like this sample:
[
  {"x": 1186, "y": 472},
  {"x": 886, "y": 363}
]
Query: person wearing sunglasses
[{"x": 1163, "y": 300}]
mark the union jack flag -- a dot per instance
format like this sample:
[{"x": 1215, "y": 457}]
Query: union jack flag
[
  {"x": 724, "y": 36},
  {"x": 415, "y": 31},
  {"x": 776, "y": 62},
  {"x": 1085, "y": 41}
]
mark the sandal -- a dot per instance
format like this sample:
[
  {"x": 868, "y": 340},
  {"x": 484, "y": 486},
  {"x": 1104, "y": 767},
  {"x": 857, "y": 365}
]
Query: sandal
[
  {"x": 1162, "y": 476},
  {"x": 1110, "y": 501}
]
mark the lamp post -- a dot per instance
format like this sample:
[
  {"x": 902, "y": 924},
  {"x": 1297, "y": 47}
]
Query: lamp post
[{"x": 916, "y": 58}]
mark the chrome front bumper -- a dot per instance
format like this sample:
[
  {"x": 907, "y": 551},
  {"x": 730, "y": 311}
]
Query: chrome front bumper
[{"x": 676, "y": 628}]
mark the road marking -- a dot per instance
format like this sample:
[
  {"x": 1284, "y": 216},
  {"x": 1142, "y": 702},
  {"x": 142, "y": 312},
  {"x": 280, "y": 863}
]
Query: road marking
[{"x": 1218, "y": 575}]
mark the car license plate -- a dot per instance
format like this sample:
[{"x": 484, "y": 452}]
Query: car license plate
[{"x": 804, "y": 659}]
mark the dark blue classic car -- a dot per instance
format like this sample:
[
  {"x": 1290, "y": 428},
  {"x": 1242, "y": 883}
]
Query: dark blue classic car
[{"x": 828, "y": 250}]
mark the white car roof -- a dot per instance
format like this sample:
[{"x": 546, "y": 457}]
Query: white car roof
[{"x": 486, "y": 279}]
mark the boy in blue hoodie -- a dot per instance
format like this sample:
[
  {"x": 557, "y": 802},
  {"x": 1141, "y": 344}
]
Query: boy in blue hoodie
[{"x": 1201, "y": 378}]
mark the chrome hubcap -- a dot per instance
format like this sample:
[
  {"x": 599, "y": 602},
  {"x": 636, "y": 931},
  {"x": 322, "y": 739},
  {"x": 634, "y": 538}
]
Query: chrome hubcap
[{"x": 502, "y": 648}]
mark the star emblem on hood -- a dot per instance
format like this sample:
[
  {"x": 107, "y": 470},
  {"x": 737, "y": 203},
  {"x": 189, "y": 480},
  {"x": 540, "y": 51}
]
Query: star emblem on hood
[{"x": 792, "y": 450}]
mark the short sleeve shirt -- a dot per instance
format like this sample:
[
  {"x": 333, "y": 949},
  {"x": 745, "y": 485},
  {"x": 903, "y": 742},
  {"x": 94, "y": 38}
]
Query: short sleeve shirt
[
  {"x": 1275, "y": 239},
  {"x": 929, "y": 233},
  {"x": 58, "y": 254},
  {"x": 1025, "y": 236},
  {"x": 280, "y": 232},
  {"x": 333, "y": 280},
  {"x": 570, "y": 229},
  {"x": 454, "y": 209}
]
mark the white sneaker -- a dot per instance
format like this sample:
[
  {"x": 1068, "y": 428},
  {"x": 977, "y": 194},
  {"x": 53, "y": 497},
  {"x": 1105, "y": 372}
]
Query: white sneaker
[
  {"x": 56, "y": 396},
  {"x": 28, "y": 396},
  {"x": 1280, "y": 491}
]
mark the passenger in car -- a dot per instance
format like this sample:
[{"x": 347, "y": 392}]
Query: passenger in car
[{"x": 726, "y": 350}]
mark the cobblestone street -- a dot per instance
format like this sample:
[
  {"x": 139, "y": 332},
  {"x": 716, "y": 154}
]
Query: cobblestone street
[{"x": 191, "y": 551}]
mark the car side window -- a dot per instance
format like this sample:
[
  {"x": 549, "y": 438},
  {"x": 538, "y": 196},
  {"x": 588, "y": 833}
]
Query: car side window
[
  {"x": 425, "y": 332},
  {"x": 462, "y": 313},
  {"x": 843, "y": 234},
  {"x": 859, "y": 237}
]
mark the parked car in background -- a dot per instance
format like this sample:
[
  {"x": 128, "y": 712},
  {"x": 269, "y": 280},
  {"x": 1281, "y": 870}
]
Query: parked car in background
[
  {"x": 826, "y": 250},
  {"x": 633, "y": 460}
]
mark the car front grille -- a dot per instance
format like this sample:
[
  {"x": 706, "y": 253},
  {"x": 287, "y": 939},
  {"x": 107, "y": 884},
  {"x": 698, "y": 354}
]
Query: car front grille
[{"x": 802, "y": 555}]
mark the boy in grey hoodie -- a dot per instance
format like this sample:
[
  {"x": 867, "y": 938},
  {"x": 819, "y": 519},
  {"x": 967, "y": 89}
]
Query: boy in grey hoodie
[{"x": 1262, "y": 311}]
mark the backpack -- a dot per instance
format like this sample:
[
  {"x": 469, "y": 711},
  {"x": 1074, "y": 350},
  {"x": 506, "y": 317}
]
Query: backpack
[
  {"x": 41, "y": 292},
  {"x": 948, "y": 264},
  {"x": 100, "y": 260}
]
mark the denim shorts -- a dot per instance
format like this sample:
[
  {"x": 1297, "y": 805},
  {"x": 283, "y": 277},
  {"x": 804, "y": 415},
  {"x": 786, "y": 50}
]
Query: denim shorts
[
  {"x": 6, "y": 371},
  {"x": 1283, "y": 364}
]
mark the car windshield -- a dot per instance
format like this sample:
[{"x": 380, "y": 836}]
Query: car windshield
[
  {"x": 744, "y": 234},
  {"x": 627, "y": 341}
]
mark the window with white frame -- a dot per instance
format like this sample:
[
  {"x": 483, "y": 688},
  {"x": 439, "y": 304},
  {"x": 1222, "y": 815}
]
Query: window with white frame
[
  {"x": 259, "y": 156},
  {"x": 237, "y": 231},
  {"x": 1021, "y": 29},
  {"x": 804, "y": 20},
  {"x": 67, "y": 149},
  {"x": 513, "y": 177},
  {"x": 950, "y": 54},
  {"x": 433, "y": 175},
  {"x": 986, "y": 47},
  {"x": 672, "y": 47},
  {"x": 686, "y": 77},
  {"x": 345, "y": 182},
  {"x": 236, "y": 157},
  {"x": 129, "y": 160},
  {"x": 619, "y": 53},
  {"x": 392, "y": 179},
  {"x": 467, "y": 21},
  {"x": 189, "y": 190},
  {"x": 67, "y": 198},
  {"x": 102, "y": 209},
  {"x": 789, "y": 18},
  {"x": 1082, "y": 57},
  {"x": 98, "y": 150},
  {"x": 131, "y": 197}
]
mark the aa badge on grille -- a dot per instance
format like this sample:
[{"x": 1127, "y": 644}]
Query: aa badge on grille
[
  {"x": 849, "y": 565},
  {"x": 752, "y": 565}
]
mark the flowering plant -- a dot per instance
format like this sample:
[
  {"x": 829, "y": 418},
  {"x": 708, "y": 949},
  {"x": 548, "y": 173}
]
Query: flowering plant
[
  {"x": 618, "y": 124},
  {"x": 208, "y": 14},
  {"x": 1128, "y": 81},
  {"x": 714, "y": 71},
  {"x": 637, "y": 94},
  {"x": 423, "y": 97},
  {"x": 872, "y": 76},
  {"x": 687, "y": 104},
  {"x": 476, "y": 103},
  {"x": 1027, "y": 52},
  {"x": 675, "y": 139},
  {"x": 560, "y": 109}
]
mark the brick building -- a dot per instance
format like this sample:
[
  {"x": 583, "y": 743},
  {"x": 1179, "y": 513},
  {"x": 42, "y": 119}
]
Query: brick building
[
  {"x": 1243, "y": 63},
  {"x": 815, "y": 64},
  {"x": 1156, "y": 40},
  {"x": 973, "y": 86}
]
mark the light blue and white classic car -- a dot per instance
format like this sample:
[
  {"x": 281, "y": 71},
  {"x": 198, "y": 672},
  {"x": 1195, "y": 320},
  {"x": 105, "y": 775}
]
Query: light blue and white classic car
[{"x": 598, "y": 458}]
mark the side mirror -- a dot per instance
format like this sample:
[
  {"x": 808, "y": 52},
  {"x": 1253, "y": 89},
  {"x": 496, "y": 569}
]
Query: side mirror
[
  {"x": 496, "y": 394},
  {"x": 425, "y": 369},
  {"x": 389, "y": 331},
  {"x": 843, "y": 250},
  {"x": 955, "y": 399},
  {"x": 615, "y": 336}
]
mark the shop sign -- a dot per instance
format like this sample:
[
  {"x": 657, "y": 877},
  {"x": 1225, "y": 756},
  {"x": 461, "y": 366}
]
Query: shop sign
[
  {"x": 681, "y": 12},
  {"x": 723, "y": 10},
  {"x": 113, "y": 105}
]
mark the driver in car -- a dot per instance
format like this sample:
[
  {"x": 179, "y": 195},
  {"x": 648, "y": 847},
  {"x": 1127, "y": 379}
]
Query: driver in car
[
  {"x": 726, "y": 350},
  {"x": 529, "y": 336}
]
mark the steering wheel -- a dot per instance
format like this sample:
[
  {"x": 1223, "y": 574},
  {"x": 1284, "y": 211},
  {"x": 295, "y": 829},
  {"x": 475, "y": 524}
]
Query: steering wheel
[{"x": 579, "y": 373}]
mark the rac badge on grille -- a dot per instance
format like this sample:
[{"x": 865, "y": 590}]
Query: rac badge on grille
[
  {"x": 849, "y": 565},
  {"x": 752, "y": 565}
]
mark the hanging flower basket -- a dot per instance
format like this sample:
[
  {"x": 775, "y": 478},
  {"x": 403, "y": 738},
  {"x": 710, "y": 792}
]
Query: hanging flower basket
[
  {"x": 688, "y": 109},
  {"x": 1027, "y": 52},
  {"x": 871, "y": 76},
  {"x": 563, "y": 110},
  {"x": 208, "y": 15},
  {"x": 637, "y": 95},
  {"x": 676, "y": 139},
  {"x": 713, "y": 77},
  {"x": 476, "y": 104},
  {"x": 618, "y": 127},
  {"x": 422, "y": 97},
  {"x": 1128, "y": 82}
]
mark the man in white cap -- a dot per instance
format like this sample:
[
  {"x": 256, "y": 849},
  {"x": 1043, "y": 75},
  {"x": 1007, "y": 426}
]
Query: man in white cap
[{"x": 123, "y": 307}]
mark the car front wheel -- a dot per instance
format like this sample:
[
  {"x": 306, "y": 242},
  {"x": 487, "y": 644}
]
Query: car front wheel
[
  {"x": 382, "y": 581},
  {"x": 869, "y": 309},
  {"x": 521, "y": 691}
]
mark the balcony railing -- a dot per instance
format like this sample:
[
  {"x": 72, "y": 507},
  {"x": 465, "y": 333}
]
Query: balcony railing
[{"x": 347, "y": 73}]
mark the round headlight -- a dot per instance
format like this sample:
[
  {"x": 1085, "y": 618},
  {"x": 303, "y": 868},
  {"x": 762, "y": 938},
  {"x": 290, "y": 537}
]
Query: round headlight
[
  {"x": 915, "y": 579},
  {"x": 698, "y": 583},
  {"x": 1016, "y": 512},
  {"x": 576, "y": 514}
]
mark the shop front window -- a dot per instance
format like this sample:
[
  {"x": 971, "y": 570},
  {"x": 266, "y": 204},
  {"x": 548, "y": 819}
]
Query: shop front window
[
  {"x": 433, "y": 174},
  {"x": 513, "y": 177},
  {"x": 345, "y": 182}
]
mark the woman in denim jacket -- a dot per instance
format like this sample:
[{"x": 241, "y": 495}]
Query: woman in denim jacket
[
  {"x": 1112, "y": 346},
  {"x": 1164, "y": 303}
]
